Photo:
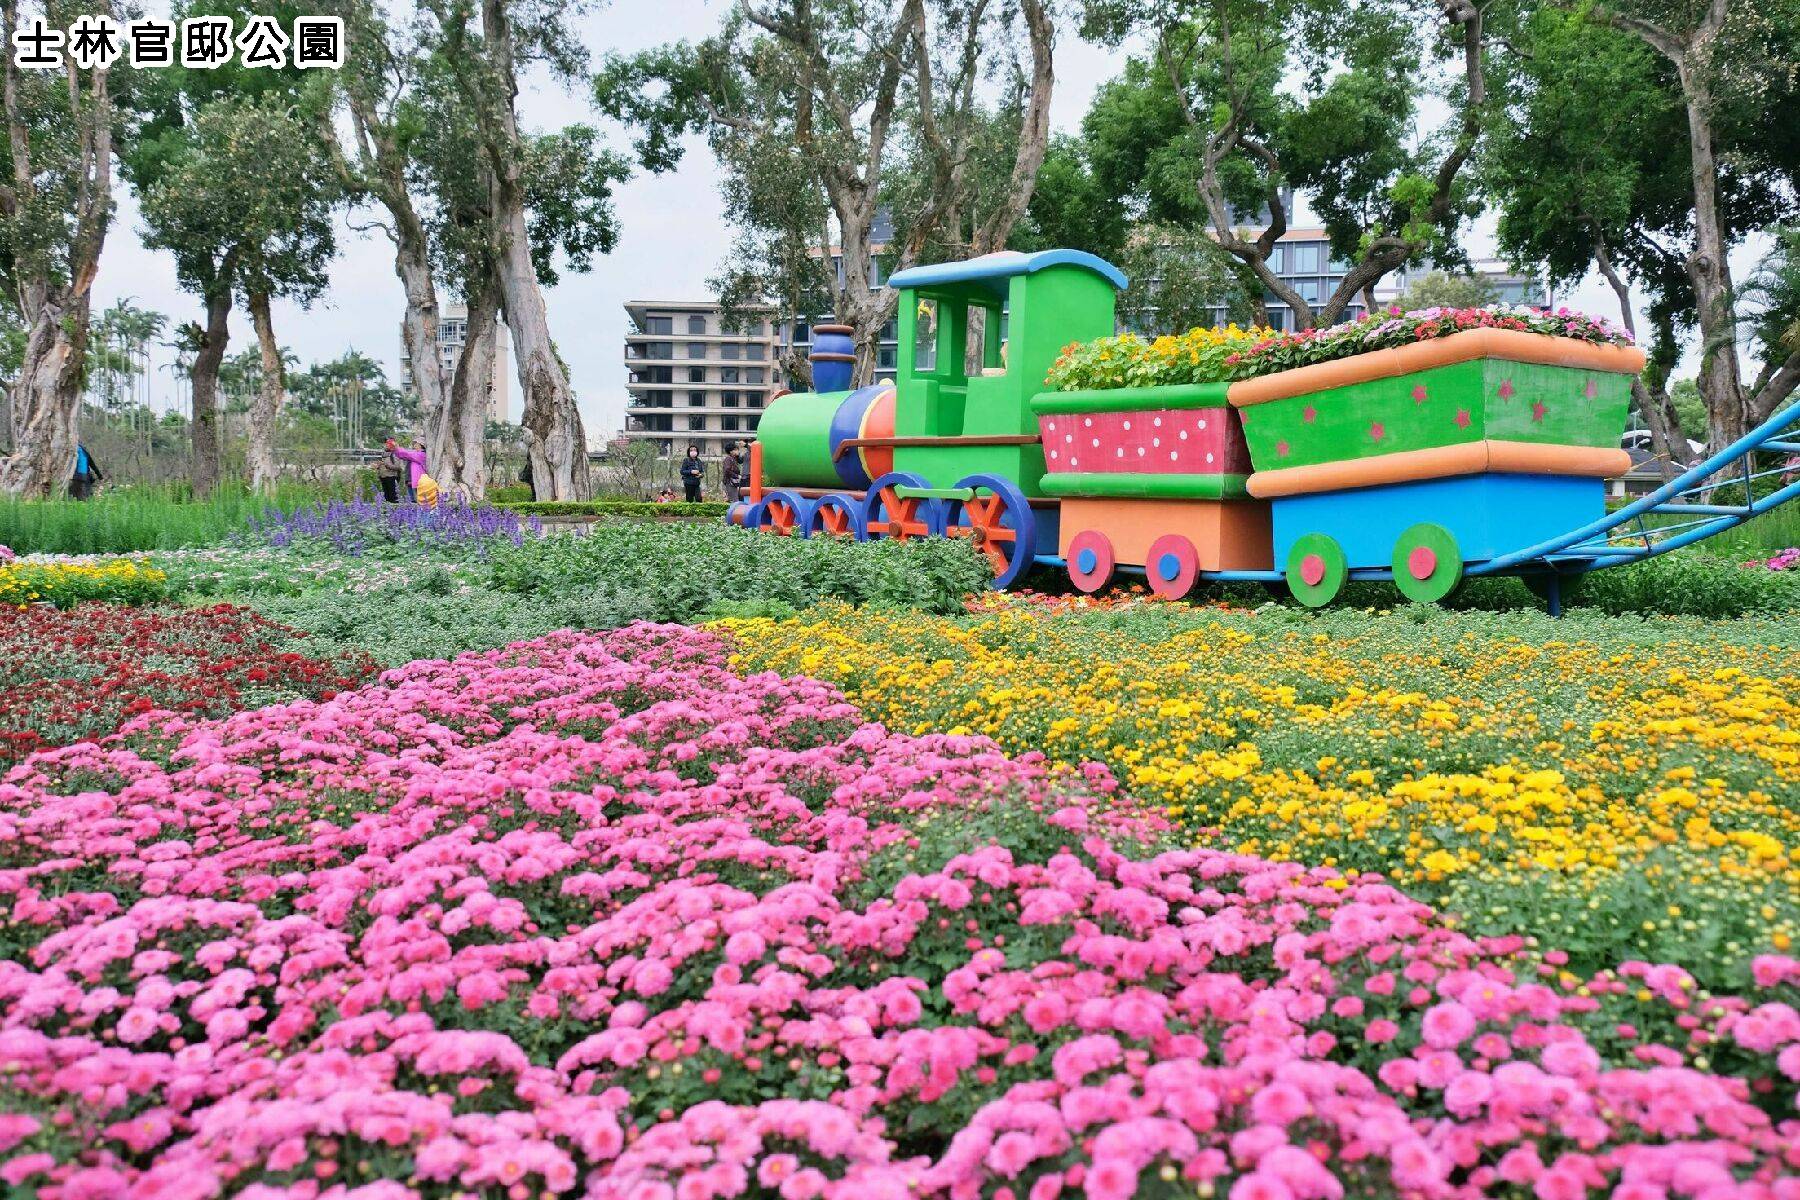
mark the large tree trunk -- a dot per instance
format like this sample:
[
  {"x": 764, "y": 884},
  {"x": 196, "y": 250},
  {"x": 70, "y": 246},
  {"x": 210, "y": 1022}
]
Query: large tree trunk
[
  {"x": 1651, "y": 396},
  {"x": 1720, "y": 377},
  {"x": 203, "y": 429},
  {"x": 554, "y": 438},
  {"x": 265, "y": 409},
  {"x": 457, "y": 440},
  {"x": 54, "y": 283},
  {"x": 46, "y": 401}
]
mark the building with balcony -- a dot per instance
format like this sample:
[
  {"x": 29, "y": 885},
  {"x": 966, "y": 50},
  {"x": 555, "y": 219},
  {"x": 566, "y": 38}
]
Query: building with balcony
[
  {"x": 452, "y": 332},
  {"x": 692, "y": 381}
]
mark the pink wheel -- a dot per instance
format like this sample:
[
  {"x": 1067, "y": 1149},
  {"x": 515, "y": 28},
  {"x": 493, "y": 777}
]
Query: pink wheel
[
  {"x": 1090, "y": 561},
  {"x": 1172, "y": 566}
]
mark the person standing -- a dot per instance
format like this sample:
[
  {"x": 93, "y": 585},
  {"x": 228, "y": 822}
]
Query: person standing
[
  {"x": 87, "y": 475},
  {"x": 732, "y": 473},
  {"x": 692, "y": 471},
  {"x": 415, "y": 463},
  {"x": 387, "y": 474}
]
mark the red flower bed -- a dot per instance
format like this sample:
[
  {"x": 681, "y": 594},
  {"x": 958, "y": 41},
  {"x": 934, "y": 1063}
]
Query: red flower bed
[{"x": 74, "y": 675}]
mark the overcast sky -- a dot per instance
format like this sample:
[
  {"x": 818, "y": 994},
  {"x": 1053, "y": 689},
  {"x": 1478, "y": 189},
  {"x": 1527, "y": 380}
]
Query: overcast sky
[{"x": 672, "y": 237}]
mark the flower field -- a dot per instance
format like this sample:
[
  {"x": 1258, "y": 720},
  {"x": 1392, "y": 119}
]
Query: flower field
[
  {"x": 123, "y": 580},
  {"x": 72, "y": 675},
  {"x": 597, "y": 914},
  {"x": 1629, "y": 793}
]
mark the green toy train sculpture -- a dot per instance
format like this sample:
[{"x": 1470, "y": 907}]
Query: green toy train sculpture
[{"x": 1418, "y": 463}]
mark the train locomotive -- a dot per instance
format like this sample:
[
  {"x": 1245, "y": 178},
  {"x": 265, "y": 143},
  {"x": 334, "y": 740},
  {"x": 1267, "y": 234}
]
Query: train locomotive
[{"x": 1417, "y": 464}]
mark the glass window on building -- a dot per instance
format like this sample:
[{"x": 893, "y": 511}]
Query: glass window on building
[
  {"x": 696, "y": 350},
  {"x": 753, "y": 399},
  {"x": 753, "y": 374},
  {"x": 1307, "y": 258},
  {"x": 754, "y": 352},
  {"x": 728, "y": 424},
  {"x": 728, "y": 374},
  {"x": 696, "y": 374},
  {"x": 886, "y": 359},
  {"x": 802, "y": 332},
  {"x": 891, "y": 331},
  {"x": 696, "y": 399},
  {"x": 659, "y": 325},
  {"x": 659, "y": 399},
  {"x": 696, "y": 421},
  {"x": 750, "y": 423},
  {"x": 729, "y": 351},
  {"x": 729, "y": 399},
  {"x": 1278, "y": 259},
  {"x": 659, "y": 350},
  {"x": 696, "y": 324}
]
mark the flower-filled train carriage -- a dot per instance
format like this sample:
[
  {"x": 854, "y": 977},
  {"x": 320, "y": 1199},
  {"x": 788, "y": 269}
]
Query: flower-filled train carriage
[{"x": 1406, "y": 448}]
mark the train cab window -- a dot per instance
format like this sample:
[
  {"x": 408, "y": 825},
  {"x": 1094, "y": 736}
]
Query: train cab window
[
  {"x": 986, "y": 353},
  {"x": 925, "y": 339}
]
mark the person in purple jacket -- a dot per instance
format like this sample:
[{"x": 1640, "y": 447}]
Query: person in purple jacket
[{"x": 415, "y": 464}]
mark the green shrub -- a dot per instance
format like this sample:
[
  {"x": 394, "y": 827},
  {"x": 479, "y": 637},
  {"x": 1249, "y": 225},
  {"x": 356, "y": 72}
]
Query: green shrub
[
  {"x": 137, "y": 519},
  {"x": 677, "y": 572},
  {"x": 708, "y": 509}
]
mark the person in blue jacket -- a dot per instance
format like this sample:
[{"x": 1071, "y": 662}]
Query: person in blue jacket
[{"x": 87, "y": 474}]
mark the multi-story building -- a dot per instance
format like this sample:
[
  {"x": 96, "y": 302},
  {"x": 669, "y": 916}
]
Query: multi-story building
[
  {"x": 452, "y": 332},
  {"x": 1510, "y": 287},
  {"x": 690, "y": 380}
]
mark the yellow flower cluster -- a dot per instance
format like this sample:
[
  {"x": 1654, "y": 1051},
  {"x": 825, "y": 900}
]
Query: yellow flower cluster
[
  {"x": 1128, "y": 360},
  {"x": 121, "y": 580},
  {"x": 1638, "y": 797}
]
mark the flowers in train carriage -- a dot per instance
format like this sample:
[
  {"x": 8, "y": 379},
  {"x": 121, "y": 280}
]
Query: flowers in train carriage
[{"x": 1224, "y": 355}]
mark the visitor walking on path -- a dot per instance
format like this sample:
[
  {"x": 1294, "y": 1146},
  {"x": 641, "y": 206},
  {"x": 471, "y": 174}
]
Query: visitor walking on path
[
  {"x": 732, "y": 472},
  {"x": 415, "y": 460},
  {"x": 692, "y": 469},
  {"x": 387, "y": 474},
  {"x": 87, "y": 475}
]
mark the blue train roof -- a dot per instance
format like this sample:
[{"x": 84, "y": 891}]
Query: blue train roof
[{"x": 995, "y": 269}]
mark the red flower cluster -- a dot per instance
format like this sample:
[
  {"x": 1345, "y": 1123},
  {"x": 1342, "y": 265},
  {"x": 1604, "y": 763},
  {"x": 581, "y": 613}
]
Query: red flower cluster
[{"x": 75, "y": 675}]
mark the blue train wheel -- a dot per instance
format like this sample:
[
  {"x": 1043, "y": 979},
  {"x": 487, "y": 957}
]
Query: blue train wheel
[
  {"x": 997, "y": 519},
  {"x": 1091, "y": 560},
  {"x": 1427, "y": 563},
  {"x": 739, "y": 513},
  {"x": 836, "y": 516},
  {"x": 1172, "y": 565},
  {"x": 887, "y": 514},
  {"x": 1316, "y": 569},
  {"x": 780, "y": 512}
]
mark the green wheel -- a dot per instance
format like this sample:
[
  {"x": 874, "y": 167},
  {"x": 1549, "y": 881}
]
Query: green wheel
[
  {"x": 1427, "y": 563},
  {"x": 1316, "y": 569}
]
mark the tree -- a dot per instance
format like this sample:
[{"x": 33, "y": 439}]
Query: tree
[
  {"x": 55, "y": 206},
  {"x": 1594, "y": 162},
  {"x": 248, "y": 177},
  {"x": 1207, "y": 128},
  {"x": 116, "y": 344},
  {"x": 483, "y": 63},
  {"x": 1180, "y": 280},
  {"x": 194, "y": 207},
  {"x": 1071, "y": 207},
  {"x": 352, "y": 394},
  {"x": 1583, "y": 151},
  {"x": 782, "y": 249},
  {"x": 1731, "y": 72},
  {"x": 1440, "y": 289},
  {"x": 854, "y": 88}
]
